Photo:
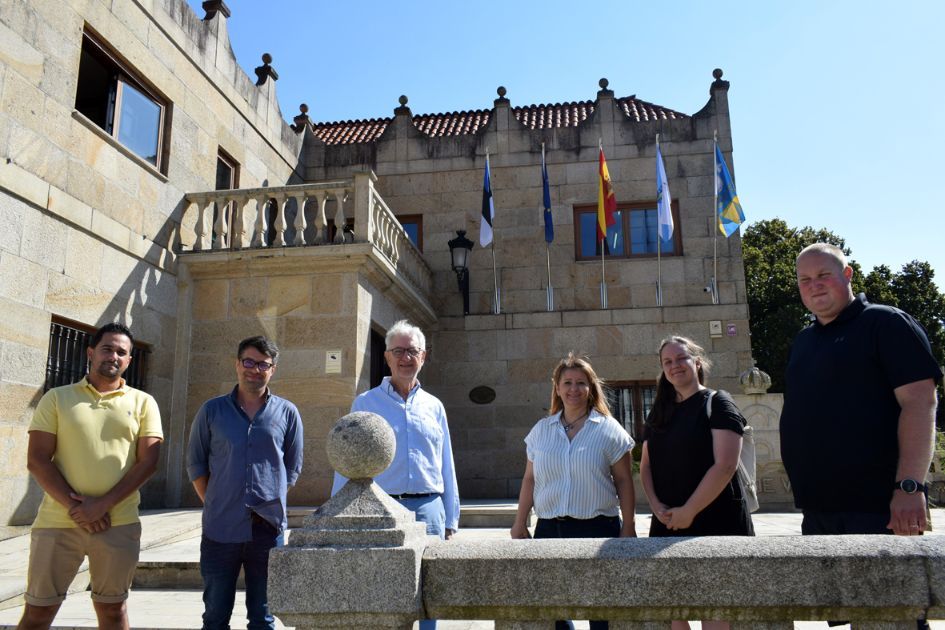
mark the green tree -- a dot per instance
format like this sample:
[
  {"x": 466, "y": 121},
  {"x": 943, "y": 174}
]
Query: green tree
[
  {"x": 878, "y": 286},
  {"x": 777, "y": 314}
]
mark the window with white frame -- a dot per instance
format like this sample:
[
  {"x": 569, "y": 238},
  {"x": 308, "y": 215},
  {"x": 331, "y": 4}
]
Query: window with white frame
[{"x": 110, "y": 95}]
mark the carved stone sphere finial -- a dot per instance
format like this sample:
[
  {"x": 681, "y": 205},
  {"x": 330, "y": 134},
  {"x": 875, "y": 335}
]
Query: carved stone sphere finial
[
  {"x": 303, "y": 108},
  {"x": 360, "y": 445},
  {"x": 402, "y": 100},
  {"x": 267, "y": 58},
  {"x": 717, "y": 73},
  {"x": 501, "y": 91},
  {"x": 603, "y": 83}
]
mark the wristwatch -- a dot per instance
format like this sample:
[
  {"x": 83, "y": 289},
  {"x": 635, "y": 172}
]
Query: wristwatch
[{"x": 911, "y": 486}]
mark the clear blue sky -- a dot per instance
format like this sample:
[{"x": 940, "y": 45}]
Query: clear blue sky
[{"x": 838, "y": 108}]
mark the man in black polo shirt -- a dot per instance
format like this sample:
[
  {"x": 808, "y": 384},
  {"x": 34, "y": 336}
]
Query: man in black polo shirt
[{"x": 857, "y": 427}]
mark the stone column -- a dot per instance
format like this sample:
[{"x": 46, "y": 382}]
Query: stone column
[{"x": 356, "y": 561}]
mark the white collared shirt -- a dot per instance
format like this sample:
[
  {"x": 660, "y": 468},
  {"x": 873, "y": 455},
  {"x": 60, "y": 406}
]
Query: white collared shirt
[
  {"x": 572, "y": 478},
  {"x": 423, "y": 458}
]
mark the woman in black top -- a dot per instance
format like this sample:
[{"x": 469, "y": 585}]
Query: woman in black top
[{"x": 689, "y": 458}]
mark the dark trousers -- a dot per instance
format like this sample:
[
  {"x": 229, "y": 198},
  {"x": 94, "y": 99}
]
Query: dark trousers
[
  {"x": 220, "y": 565},
  {"x": 840, "y": 523},
  {"x": 600, "y": 527}
]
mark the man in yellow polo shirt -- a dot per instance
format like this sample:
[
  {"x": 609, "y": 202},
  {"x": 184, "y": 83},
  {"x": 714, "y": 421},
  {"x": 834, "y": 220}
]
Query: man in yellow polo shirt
[{"x": 92, "y": 445}]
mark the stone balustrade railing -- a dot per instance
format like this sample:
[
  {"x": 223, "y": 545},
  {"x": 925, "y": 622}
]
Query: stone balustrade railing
[
  {"x": 361, "y": 561},
  {"x": 342, "y": 211}
]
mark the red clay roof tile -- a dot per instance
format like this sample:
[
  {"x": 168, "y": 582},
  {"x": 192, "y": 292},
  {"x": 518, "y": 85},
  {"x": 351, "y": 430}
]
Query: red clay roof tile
[{"x": 553, "y": 116}]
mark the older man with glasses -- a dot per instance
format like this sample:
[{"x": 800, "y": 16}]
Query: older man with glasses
[
  {"x": 251, "y": 440},
  {"x": 422, "y": 476}
]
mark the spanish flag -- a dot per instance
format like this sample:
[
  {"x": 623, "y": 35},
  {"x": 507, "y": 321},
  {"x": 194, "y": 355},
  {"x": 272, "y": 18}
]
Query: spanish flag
[{"x": 606, "y": 201}]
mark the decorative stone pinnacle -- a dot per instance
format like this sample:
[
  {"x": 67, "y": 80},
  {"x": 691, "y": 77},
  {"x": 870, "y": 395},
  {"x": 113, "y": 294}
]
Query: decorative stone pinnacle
[
  {"x": 403, "y": 109},
  {"x": 754, "y": 381},
  {"x": 265, "y": 71},
  {"x": 302, "y": 120},
  {"x": 718, "y": 84},
  {"x": 212, "y": 7},
  {"x": 603, "y": 83},
  {"x": 501, "y": 91}
]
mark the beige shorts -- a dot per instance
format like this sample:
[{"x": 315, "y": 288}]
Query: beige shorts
[{"x": 57, "y": 553}]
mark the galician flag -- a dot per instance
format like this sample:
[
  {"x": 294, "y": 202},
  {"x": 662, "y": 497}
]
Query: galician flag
[
  {"x": 606, "y": 200},
  {"x": 730, "y": 214},
  {"x": 663, "y": 200},
  {"x": 488, "y": 208}
]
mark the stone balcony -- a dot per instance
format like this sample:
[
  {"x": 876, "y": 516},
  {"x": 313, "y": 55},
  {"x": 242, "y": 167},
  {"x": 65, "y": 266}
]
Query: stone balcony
[{"x": 338, "y": 217}]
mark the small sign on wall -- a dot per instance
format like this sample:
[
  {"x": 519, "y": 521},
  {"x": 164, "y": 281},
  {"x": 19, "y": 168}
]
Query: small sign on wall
[
  {"x": 731, "y": 330},
  {"x": 333, "y": 362},
  {"x": 715, "y": 328}
]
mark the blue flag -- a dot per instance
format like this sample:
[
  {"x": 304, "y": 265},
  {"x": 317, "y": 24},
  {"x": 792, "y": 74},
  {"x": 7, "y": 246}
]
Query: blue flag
[
  {"x": 663, "y": 200},
  {"x": 546, "y": 199},
  {"x": 729, "y": 210},
  {"x": 488, "y": 209}
]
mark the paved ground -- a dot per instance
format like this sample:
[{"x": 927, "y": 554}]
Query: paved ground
[{"x": 174, "y": 536}]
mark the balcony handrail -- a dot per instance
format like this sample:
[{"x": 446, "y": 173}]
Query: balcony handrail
[{"x": 225, "y": 220}]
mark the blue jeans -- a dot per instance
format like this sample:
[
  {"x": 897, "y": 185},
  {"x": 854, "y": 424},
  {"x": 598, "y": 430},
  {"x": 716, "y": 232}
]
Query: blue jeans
[
  {"x": 429, "y": 510},
  {"x": 220, "y": 567}
]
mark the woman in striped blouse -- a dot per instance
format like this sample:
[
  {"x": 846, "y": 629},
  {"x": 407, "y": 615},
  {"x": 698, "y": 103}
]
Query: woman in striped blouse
[{"x": 579, "y": 470}]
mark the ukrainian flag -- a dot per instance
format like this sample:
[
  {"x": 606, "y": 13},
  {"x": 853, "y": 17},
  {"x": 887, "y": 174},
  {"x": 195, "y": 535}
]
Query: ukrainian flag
[{"x": 729, "y": 210}]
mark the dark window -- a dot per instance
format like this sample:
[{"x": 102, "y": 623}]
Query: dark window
[
  {"x": 379, "y": 367},
  {"x": 111, "y": 96},
  {"x": 68, "y": 361},
  {"x": 227, "y": 179},
  {"x": 634, "y": 235},
  {"x": 630, "y": 402},
  {"x": 413, "y": 226}
]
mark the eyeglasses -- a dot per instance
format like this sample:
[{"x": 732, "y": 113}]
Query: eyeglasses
[
  {"x": 413, "y": 353},
  {"x": 263, "y": 366}
]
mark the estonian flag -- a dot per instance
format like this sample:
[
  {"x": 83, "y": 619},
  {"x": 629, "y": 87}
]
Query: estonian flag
[{"x": 488, "y": 208}]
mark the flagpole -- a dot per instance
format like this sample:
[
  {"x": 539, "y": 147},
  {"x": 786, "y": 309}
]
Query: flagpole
[
  {"x": 495, "y": 281},
  {"x": 715, "y": 221},
  {"x": 659, "y": 245},
  {"x": 549, "y": 289},
  {"x": 603, "y": 242},
  {"x": 496, "y": 307}
]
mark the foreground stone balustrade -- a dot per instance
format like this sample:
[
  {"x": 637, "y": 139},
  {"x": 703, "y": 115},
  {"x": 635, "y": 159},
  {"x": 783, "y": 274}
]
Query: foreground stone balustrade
[
  {"x": 750, "y": 581},
  {"x": 361, "y": 561}
]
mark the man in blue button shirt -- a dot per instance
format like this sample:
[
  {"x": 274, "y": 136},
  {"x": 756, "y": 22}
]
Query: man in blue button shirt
[
  {"x": 245, "y": 451},
  {"x": 422, "y": 477}
]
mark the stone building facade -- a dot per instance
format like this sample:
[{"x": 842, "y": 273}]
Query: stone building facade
[{"x": 175, "y": 208}]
